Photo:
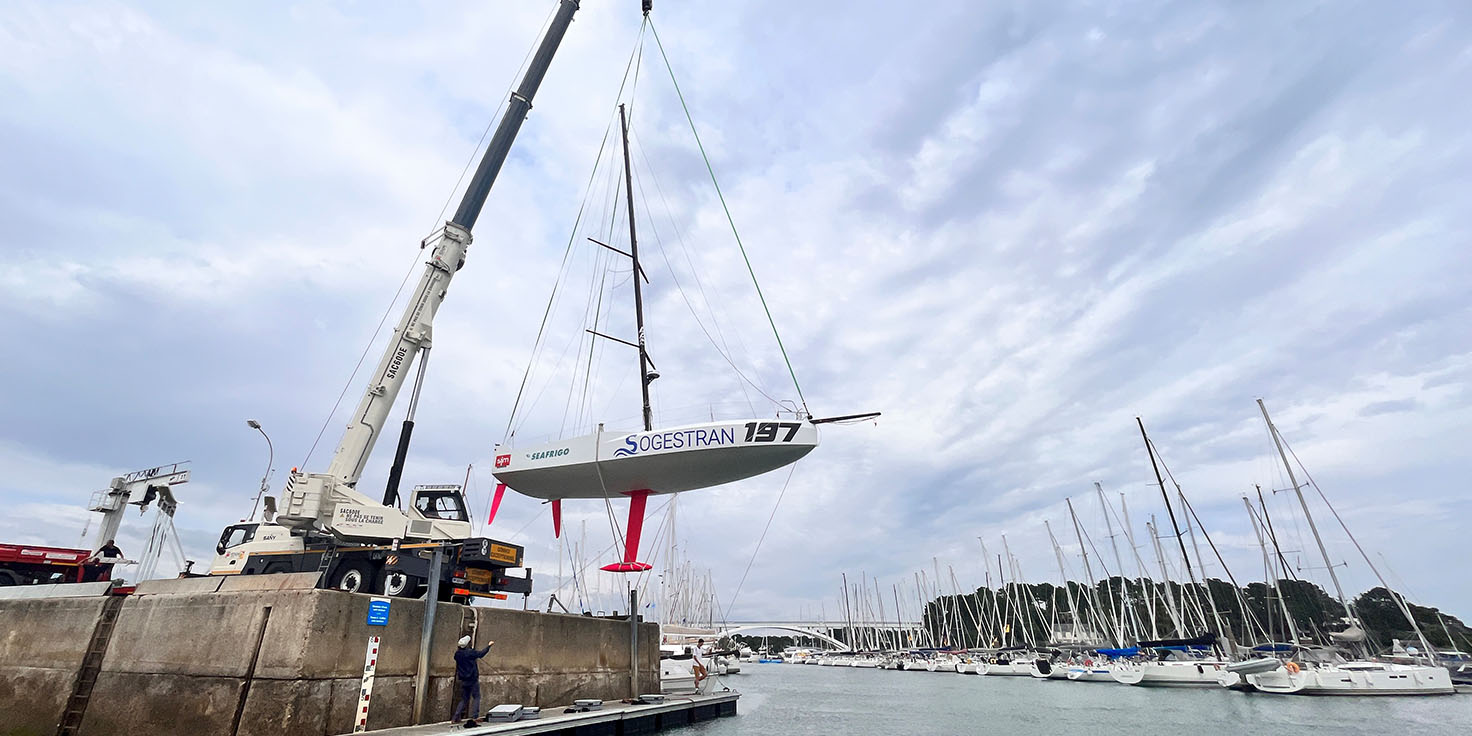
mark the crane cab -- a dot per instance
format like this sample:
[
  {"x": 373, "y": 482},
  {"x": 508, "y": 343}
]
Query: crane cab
[
  {"x": 239, "y": 541},
  {"x": 438, "y": 512}
]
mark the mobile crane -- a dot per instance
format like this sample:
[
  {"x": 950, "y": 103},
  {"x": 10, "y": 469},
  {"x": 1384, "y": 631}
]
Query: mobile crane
[{"x": 325, "y": 522}]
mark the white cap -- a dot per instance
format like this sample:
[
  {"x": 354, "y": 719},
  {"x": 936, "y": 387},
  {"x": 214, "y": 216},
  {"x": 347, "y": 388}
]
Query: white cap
[{"x": 464, "y": 642}]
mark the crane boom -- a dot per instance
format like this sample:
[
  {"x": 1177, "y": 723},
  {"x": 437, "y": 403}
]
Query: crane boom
[{"x": 320, "y": 499}]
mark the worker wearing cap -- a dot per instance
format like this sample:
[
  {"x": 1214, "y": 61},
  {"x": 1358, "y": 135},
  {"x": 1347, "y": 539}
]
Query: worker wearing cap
[{"x": 467, "y": 676}]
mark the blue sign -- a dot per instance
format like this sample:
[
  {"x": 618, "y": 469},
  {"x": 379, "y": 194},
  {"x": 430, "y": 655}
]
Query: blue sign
[{"x": 378, "y": 612}]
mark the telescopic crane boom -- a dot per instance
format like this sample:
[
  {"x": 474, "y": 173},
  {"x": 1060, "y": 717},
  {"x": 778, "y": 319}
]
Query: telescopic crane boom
[{"x": 331, "y": 501}]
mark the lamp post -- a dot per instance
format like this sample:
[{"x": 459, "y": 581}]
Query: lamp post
[{"x": 271, "y": 459}]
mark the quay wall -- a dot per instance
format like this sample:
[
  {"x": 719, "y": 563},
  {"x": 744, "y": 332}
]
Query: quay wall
[{"x": 270, "y": 655}]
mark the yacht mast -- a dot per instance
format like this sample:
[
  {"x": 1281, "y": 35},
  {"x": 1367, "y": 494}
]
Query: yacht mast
[
  {"x": 1150, "y": 450},
  {"x": 1119, "y": 565},
  {"x": 1067, "y": 587},
  {"x": 1093, "y": 594},
  {"x": 645, "y": 375},
  {"x": 1303, "y": 503},
  {"x": 1140, "y": 569},
  {"x": 1273, "y": 576}
]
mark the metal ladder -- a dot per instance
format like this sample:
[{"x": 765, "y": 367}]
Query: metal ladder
[
  {"x": 328, "y": 556},
  {"x": 76, "y": 705}
]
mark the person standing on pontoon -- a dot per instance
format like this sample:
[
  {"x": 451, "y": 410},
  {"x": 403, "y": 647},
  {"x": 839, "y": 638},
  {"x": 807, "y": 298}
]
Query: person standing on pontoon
[{"x": 697, "y": 654}]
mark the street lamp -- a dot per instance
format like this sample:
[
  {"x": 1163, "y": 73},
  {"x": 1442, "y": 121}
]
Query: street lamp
[{"x": 271, "y": 458}]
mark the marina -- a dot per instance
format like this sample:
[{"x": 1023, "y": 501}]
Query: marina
[
  {"x": 787, "y": 698},
  {"x": 1015, "y": 369}
]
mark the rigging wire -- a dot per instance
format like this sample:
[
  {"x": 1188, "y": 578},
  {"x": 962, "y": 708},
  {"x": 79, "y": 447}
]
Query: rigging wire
[
  {"x": 729, "y": 219},
  {"x": 572, "y": 236},
  {"x": 721, "y": 347},
  {"x": 790, "y": 469}
]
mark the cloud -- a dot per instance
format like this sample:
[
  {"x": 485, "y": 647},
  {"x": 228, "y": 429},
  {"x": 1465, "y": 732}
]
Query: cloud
[{"x": 1011, "y": 229}]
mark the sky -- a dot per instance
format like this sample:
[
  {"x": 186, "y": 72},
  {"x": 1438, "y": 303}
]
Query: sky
[{"x": 1011, "y": 227}]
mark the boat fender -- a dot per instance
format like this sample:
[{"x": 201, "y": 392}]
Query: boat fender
[{"x": 1292, "y": 668}]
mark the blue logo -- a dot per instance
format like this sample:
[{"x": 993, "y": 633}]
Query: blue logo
[{"x": 677, "y": 440}]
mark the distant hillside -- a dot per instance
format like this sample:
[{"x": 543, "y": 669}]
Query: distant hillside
[{"x": 1028, "y": 613}]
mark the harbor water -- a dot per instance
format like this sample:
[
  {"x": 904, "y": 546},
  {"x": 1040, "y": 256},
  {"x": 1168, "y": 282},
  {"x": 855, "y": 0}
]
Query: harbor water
[{"x": 809, "y": 699}]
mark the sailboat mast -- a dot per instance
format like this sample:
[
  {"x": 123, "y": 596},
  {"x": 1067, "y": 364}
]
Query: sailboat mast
[
  {"x": 1303, "y": 503},
  {"x": 1150, "y": 449},
  {"x": 644, "y": 375}
]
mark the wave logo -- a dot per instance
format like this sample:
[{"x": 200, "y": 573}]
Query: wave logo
[{"x": 630, "y": 447}]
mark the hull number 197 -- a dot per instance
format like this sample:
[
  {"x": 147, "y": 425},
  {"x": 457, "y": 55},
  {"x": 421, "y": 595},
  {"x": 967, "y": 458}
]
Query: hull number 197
[{"x": 767, "y": 431}]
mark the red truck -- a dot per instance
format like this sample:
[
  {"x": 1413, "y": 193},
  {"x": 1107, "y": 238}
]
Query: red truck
[{"x": 23, "y": 564}]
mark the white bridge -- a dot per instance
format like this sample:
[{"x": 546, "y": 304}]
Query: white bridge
[{"x": 818, "y": 629}]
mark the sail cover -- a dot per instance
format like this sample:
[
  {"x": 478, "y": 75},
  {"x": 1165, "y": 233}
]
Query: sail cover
[{"x": 1205, "y": 640}]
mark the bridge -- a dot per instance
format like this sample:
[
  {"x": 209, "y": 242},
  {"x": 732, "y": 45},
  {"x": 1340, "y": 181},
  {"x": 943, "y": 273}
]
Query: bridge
[{"x": 817, "y": 629}]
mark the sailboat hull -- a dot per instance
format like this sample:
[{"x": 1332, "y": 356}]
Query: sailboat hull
[
  {"x": 662, "y": 461},
  {"x": 1368, "y": 678},
  {"x": 1171, "y": 673}
]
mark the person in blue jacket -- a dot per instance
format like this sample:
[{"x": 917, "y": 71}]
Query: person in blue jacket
[{"x": 467, "y": 676}]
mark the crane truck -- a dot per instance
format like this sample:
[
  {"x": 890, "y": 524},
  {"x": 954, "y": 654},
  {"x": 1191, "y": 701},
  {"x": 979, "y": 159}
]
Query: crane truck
[{"x": 325, "y": 522}]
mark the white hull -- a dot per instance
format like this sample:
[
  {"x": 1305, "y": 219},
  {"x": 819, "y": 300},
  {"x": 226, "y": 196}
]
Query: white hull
[
  {"x": 1089, "y": 673},
  {"x": 1170, "y": 673},
  {"x": 662, "y": 461},
  {"x": 1017, "y": 668},
  {"x": 676, "y": 676},
  {"x": 1356, "y": 678}
]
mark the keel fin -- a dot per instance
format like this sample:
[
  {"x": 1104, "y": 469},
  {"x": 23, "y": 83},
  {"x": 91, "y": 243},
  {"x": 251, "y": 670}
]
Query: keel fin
[
  {"x": 638, "y": 501},
  {"x": 557, "y": 518},
  {"x": 496, "y": 503}
]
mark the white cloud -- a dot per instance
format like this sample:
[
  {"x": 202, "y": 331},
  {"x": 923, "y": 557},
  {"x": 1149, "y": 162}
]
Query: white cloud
[{"x": 1011, "y": 232}]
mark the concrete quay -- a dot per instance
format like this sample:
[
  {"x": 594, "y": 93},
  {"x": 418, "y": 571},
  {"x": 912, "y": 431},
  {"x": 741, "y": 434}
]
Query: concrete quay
[
  {"x": 270, "y": 655},
  {"x": 613, "y": 719}
]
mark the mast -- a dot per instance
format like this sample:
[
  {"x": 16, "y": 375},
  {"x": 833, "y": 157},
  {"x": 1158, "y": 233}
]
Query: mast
[
  {"x": 996, "y": 633},
  {"x": 899, "y": 619},
  {"x": 1067, "y": 588},
  {"x": 1150, "y": 450},
  {"x": 1119, "y": 565},
  {"x": 1177, "y": 616},
  {"x": 1093, "y": 594},
  {"x": 1303, "y": 503},
  {"x": 1140, "y": 569},
  {"x": 645, "y": 376},
  {"x": 1186, "y": 558},
  {"x": 1273, "y": 579}
]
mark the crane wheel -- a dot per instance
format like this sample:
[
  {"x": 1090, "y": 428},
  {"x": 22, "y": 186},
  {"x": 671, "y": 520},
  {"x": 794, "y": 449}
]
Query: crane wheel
[
  {"x": 353, "y": 577},
  {"x": 9, "y": 578}
]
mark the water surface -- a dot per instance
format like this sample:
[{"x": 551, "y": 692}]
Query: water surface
[{"x": 807, "y": 699}]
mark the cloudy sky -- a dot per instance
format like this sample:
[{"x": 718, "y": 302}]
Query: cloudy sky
[{"x": 1011, "y": 227}]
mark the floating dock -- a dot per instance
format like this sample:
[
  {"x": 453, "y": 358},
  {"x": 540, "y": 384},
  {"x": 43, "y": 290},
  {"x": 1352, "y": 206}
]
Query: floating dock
[{"x": 613, "y": 719}]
